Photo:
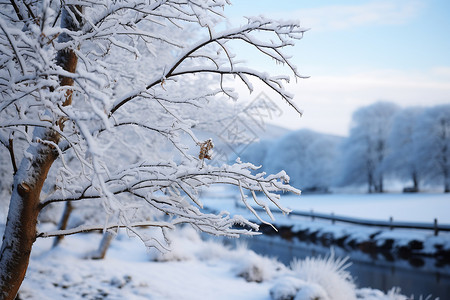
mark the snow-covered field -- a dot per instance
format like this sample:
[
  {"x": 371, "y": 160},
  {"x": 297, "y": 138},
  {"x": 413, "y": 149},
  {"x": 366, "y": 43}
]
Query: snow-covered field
[
  {"x": 420, "y": 207},
  {"x": 402, "y": 207},
  {"x": 195, "y": 269}
]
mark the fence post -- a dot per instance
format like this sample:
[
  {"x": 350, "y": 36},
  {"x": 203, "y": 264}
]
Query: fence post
[
  {"x": 391, "y": 220},
  {"x": 332, "y": 218},
  {"x": 312, "y": 214},
  {"x": 436, "y": 229}
]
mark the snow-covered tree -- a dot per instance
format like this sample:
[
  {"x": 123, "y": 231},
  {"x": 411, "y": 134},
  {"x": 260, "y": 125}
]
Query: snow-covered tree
[
  {"x": 433, "y": 150},
  {"x": 364, "y": 151},
  {"x": 309, "y": 157},
  {"x": 256, "y": 153},
  {"x": 97, "y": 90},
  {"x": 403, "y": 142}
]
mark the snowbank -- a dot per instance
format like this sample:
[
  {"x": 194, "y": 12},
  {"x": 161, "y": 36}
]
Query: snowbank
[
  {"x": 195, "y": 269},
  {"x": 370, "y": 207}
]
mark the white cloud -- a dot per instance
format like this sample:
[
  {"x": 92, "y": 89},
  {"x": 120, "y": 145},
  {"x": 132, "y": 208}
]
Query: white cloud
[
  {"x": 329, "y": 101},
  {"x": 339, "y": 17}
]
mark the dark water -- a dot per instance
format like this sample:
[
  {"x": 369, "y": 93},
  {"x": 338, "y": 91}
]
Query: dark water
[{"x": 415, "y": 277}]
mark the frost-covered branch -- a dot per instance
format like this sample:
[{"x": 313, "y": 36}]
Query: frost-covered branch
[
  {"x": 67, "y": 69},
  {"x": 163, "y": 187},
  {"x": 285, "y": 33},
  {"x": 172, "y": 173},
  {"x": 88, "y": 228}
]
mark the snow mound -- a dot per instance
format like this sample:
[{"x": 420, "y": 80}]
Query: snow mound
[
  {"x": 311, "y": 291},
  {"x": 256, "y": 268},
  {"x": 197, "y": 269},
  {"x": 285, "y": 288}
]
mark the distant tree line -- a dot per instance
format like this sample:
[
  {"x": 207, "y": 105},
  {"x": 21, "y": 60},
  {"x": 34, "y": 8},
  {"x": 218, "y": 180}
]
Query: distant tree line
[{"x": 385, "y": 143}]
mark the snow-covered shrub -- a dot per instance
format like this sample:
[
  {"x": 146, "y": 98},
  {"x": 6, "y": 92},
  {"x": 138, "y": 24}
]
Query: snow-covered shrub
[
  {"x": 186, "y": 244},
  {"x": 257, "y": 268},
  {"x": 183, "y": 243},
  {"x": 254, "y": 267},
  {"x": 212, "y": 250},
  {"x": 329, "y": 273}
]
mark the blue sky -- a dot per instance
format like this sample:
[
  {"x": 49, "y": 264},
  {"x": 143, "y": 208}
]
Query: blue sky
[{"x": 359, "y": 52}]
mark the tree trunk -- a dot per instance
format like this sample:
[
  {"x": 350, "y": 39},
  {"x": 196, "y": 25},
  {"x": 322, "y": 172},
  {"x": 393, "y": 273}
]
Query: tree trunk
[
  {"x": 104, "y": 245},
  {"x": 446, "y": 178},
  {"x": 63, "y": 222},
  {"x": 415, "y": 181},
  {"x": 380, "y": 185},
  {"x": 20, "y": 230},
  {"x": 370, "y": 182}
]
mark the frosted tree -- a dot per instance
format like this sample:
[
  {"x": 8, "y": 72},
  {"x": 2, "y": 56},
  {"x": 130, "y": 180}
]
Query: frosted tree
[
  {"x": 257, "y": 152},
  {"x": 309, "y": 157},
  {"x": 404, "y": 142},
  {"x": 365, "y": 150},
  {"x": 88, "y": 87},
  {"x": 433, "y": 150}
]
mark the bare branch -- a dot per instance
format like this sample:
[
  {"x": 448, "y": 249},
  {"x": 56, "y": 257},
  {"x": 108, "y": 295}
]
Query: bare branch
[
  {"x": 11, "y": 154},
  {"x": 17, "y": 10},
  {"x": 14, "y": 47},
  {"x": 239, "y": 34},
  {"x": 88, "y": 228}
]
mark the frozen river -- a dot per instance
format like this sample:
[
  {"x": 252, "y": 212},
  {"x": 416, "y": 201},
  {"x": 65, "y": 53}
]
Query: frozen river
[
  {"x": 416, "y": 275},
  {"x": 368, "y": 271}
]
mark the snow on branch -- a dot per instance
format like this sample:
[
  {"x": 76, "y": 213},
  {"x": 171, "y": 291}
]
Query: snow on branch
[
  {"x": 166, "y": 62},
  {"x": 87, "y": 228},
  {"x": 167, "y": 188},
  {"x": 285, "y": 32}
]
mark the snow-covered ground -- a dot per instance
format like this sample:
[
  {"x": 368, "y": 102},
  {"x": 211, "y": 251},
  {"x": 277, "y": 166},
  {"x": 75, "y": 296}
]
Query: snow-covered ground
[
  {"x": 420, "y": 207},
  {"x": 404, "y": 207},
  {"x": 195, "y": 269}
]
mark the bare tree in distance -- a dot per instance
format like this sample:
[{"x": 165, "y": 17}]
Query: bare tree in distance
[
  {"x": 403, "y": 141},
  {"x": 433, "y": 149},
  {"x": 309, "y": 158},
  {"x": 100, "y": 81},
  {"x": 365, "y": 150}
]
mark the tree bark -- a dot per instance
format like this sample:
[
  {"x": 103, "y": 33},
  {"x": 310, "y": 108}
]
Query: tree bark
[
  {"x": 20, "y": 230},
  {"x": 63, "y": 223},
  {"x": 104, "y": 245}
]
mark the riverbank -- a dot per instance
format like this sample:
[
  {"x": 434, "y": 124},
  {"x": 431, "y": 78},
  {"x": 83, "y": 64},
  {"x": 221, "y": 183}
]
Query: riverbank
[
  {"x": 194, "y": 269},
  {"x": 403, "y": 243}
]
